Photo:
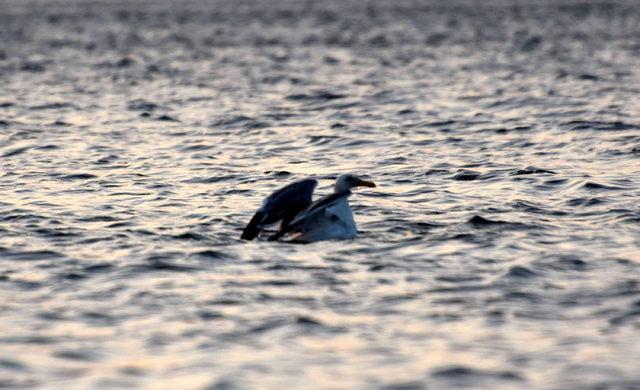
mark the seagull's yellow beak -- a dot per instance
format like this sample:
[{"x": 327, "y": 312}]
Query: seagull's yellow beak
[{"x": 365, "y": 183}]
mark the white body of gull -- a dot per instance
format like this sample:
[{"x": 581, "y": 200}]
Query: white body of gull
[{"x": 328, "y": 218}]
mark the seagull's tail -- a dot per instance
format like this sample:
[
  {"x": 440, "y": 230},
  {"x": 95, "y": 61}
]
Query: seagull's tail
[{"x": 253, "y": 228}]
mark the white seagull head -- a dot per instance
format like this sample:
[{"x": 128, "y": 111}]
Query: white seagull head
[{"x": 347, "y": 181}]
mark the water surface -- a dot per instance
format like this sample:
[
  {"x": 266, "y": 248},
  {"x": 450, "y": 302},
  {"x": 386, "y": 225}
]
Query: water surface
[{"x": 500, "y": 249}]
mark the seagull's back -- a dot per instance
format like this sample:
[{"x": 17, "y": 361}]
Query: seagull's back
[{"x": 328, "y": 218}]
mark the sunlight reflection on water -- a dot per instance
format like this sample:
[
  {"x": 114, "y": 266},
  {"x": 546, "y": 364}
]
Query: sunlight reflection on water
[{"x": 499, "y": 250}]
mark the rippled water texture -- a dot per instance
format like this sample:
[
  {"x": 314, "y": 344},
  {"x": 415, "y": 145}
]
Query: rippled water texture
[{"x": 500, "y": 249}]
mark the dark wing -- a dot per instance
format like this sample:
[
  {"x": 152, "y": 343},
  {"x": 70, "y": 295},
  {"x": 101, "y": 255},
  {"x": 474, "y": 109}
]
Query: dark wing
[
  {"x": 319, "y": 206},
  {"x": 283, "y": 205}
]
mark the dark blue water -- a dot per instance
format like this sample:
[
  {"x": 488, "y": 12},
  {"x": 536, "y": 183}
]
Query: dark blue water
[{"x": 500, "y": 249}]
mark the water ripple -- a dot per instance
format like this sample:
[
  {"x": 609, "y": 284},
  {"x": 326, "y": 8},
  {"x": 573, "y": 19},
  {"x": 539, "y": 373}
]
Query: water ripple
[{"x": 499, "y": 250}]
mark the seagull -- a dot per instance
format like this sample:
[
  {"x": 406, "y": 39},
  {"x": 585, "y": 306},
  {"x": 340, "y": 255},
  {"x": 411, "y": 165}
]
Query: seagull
[{"x": 328, "y": 218}]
